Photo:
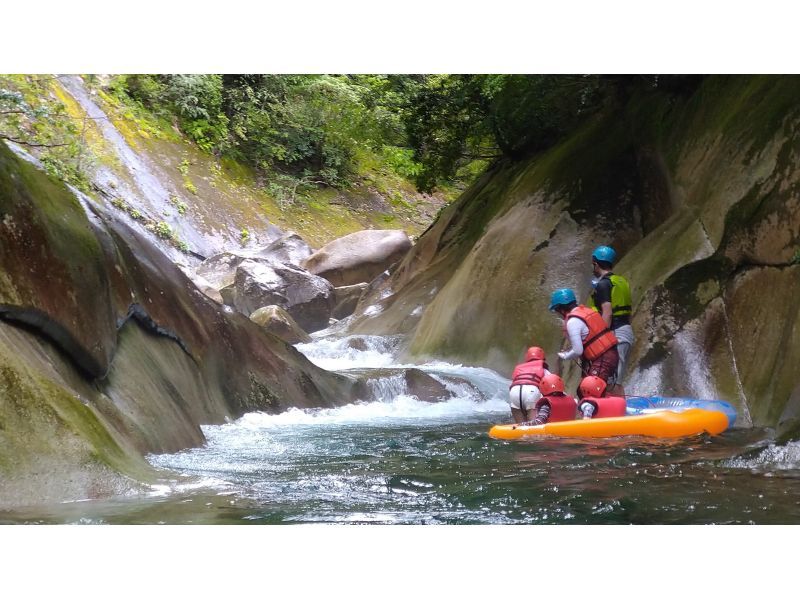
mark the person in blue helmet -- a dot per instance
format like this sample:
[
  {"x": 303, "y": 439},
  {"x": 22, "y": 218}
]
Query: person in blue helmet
[
  {"x": 589, "y": 336},
  {"x": 611, "y": 297}
]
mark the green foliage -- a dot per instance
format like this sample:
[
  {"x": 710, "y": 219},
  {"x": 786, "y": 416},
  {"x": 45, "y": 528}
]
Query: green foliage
[
  {"x": 454, "y": 120},
  {"x": 401, "y": 160},
  {"x": 195, "y": 101},
  {"x": 31, "y": 116},
  {"x": 285, "y": 188},
  {"x": 301, "y": 132},
  {"x": 163, "y": 230},
  {"x": 123, "y": 205},
  {"x": 181, "y": 206},
  {"x": 245, "y": 235},
  {"x": 300, "y": 129},
  {"x": 796, "y": 258},
  {"x": 533, "y": 112}
]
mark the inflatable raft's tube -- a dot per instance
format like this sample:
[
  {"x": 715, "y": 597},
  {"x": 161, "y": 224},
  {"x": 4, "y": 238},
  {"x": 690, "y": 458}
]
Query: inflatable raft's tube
[
  {"x": 643, "y": 405},
  {"x": 663, "y": 424}
]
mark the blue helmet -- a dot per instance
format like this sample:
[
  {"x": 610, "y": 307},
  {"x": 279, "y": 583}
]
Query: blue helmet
[
  {"x": 604, "y": 253},
  {"x": 562, "y": 297}
]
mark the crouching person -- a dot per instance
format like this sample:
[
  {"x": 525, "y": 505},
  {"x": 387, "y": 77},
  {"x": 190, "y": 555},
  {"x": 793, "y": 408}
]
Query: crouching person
[
  {"x": 555, "y": 405},
  {"x": 524, "y": 391},
  {"x": 595, "y": 404}
]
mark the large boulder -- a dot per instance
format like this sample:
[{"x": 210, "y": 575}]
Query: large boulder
[
  {"x": 346, "y": 299},
  {"x": 425, "y": 387},
  {"x": 220, "y": 269},
  {"x": 275, "y": 320},
  {"x": 307, "y": 298},
  {"x": 289, "y": 248},
  {"x": 204, "y": 286},
  {"x": 358, "y": 257}
]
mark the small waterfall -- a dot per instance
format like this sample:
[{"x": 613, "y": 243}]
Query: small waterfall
[
  {"x": 359, "y": 351},
  {"x": 743, "y": 397},
  {"x": 473, "y": 389},
  {"x": 387, "y": 389},
  {"x": 695, "y": 364}
]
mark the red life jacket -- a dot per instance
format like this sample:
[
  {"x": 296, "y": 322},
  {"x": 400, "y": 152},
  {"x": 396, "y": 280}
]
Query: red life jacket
[
  {"x": 606, "y": 406},
  {"x": 529, "y": 372},
  {"x": 562, "y": 407},
  {"x": 600, "y": 338}
]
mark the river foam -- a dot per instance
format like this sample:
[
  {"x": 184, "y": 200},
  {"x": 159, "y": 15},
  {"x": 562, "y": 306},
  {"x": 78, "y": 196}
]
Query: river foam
[{"x": 401, "y": 409}]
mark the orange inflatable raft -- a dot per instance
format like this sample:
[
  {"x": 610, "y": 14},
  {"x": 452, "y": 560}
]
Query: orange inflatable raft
[{"x": 662, "y": 424}]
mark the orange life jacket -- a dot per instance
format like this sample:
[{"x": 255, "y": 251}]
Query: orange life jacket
[
  {"x": 606, "y": 406},
  {"x": 600, "y": 338},
  {"x": 562, "y": 407},
  {"x": 529, "y": 372}
]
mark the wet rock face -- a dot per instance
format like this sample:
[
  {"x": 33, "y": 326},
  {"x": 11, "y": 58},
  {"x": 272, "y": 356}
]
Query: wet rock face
[
  {"x": 275, "y": 320},
  {"x": 53, "y": 266},
  {"x": 358, "y": 257},
  {"x": 307, "y": 298},
  {"x": 121, "y": 353}
]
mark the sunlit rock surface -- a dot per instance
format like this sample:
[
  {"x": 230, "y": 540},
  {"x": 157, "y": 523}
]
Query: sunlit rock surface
[{"x": 358, "y": 257}]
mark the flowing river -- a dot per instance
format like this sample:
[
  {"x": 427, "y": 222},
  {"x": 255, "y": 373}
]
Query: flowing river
[{"x": 401, "y": 460}]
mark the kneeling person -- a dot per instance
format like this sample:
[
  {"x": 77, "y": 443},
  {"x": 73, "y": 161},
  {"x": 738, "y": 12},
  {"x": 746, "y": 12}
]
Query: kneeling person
[
  {"x": 524, "y": 391},
  {"x": 594, "y": 404},
  {"x": 554, "y": 406}
]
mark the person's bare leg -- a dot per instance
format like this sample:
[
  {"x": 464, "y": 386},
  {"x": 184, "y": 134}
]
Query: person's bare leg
[{"x": 518, "y": 415}]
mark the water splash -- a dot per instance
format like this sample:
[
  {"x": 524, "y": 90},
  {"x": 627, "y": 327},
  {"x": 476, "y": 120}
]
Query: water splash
[
  {"x": 360, "y": 351},
  {"x": 739, "y": 386},
  {"x": 402, "y": 409},
  {"x": 773, "y": 457},
  {"x": 646, "y": 381},
  {"x": 695, "y": 364},
  {"x": 380, "y": 352}
]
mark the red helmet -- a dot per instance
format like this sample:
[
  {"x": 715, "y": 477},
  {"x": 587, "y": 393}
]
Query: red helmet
[
  {"x": 551, "y": 383},
  {"x": 534, "y": 353},
  {"x": 592, "y": 386}
]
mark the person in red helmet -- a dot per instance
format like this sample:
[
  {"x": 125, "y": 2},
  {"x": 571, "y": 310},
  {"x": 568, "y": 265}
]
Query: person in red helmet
[
  {"x": 594, "y": 402},
  {"x": 524, "y": 390},
  {"x": 555, "y": 405}
]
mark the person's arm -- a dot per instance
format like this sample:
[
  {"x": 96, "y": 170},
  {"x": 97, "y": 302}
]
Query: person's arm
[
  {"x": 602, "y": 299},
  {"x": 542, "y": 415},
  {"x": 574, "y": 328},
  {"x": 605, "y": 311}
]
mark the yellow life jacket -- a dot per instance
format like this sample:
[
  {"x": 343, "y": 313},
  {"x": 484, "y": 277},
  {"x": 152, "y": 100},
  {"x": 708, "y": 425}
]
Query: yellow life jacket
[{"x": 620, "y": 297}]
